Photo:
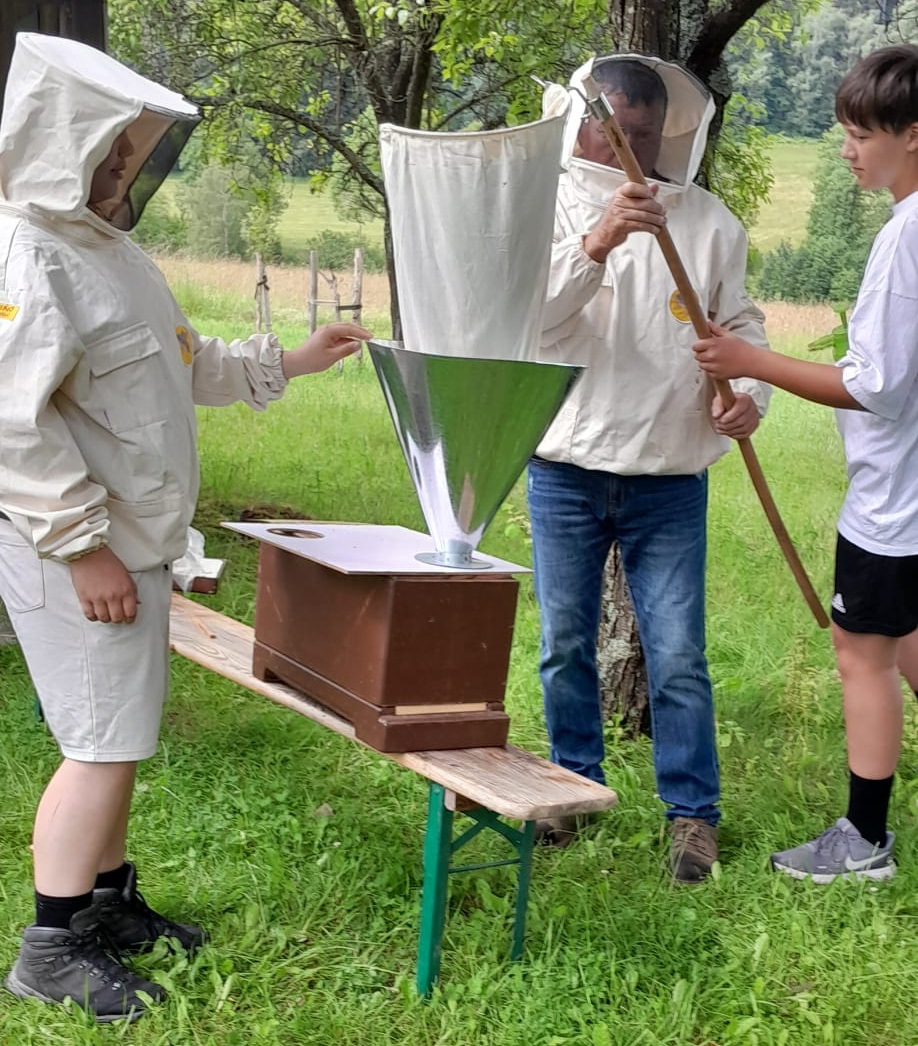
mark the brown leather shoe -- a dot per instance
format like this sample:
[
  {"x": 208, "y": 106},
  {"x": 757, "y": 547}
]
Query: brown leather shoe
[
  {"x": 560, "y": 832},
  {"x": 693, "y": 850}
]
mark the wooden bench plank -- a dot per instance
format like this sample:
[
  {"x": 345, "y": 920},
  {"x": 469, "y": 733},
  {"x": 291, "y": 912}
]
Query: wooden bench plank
[{"x": 511, "y": 782}]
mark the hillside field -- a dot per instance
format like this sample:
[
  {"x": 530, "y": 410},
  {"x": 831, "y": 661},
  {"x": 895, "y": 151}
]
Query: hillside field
[{"x": 782, "y": 218}]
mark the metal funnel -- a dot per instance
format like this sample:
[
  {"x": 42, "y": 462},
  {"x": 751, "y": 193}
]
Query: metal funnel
[{"x": 467, "y": 428}]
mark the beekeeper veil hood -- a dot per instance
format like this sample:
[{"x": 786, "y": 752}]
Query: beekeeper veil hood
[
  {"x": 689, "y": 110},
  {"x": 66, "y": 103}
]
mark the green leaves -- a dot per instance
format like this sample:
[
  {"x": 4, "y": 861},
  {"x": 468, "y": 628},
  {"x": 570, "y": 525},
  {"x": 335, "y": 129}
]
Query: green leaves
[
  {"x": 841, "y": 226},
  {"x": 836, "y": 339}
]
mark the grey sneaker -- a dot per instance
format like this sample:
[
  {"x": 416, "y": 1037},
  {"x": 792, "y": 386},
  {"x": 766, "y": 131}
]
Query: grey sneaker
[
  {"x": 841, "y": 851},
  {"x": 693, "y": 850},
  {"x": 54, "y": 965},
  {"x": 130, "y": 925}
]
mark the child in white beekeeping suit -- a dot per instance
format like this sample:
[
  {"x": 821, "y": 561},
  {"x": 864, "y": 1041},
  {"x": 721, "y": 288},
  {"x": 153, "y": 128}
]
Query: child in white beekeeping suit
[{"x": 98, "y": 481}]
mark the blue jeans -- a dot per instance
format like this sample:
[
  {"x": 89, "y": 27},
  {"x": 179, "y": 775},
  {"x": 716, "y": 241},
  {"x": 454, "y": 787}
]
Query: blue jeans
[{"x": 659, "y": 523}]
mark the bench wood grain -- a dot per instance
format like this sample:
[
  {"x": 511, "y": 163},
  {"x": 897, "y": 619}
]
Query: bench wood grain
[{"x": 509, "y": 781}]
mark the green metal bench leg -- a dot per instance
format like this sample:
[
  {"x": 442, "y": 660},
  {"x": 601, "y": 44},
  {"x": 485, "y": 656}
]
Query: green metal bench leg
[
  {"x": 439, "y": 847},
  {"x": 524, "y": 847},
  {"x": 437, "y": 844}
]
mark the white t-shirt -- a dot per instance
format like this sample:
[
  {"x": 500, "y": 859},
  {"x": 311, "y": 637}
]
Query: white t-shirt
[{"x": 880, "y": 371}]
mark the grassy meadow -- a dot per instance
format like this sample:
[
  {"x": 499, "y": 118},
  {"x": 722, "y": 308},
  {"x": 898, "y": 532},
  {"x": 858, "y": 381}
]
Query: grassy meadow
[
  {"x": 301, "y": 852},
  {"x": 784, "y": 216}
]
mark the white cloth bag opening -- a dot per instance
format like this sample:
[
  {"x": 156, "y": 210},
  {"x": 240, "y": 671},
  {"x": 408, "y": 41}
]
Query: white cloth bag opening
[{"x": 472, "y": 215}]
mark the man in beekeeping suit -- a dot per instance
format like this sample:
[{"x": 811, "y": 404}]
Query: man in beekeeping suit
[
  {"x": 626, "y": 458},
  {"x": 98, "y": 481}
]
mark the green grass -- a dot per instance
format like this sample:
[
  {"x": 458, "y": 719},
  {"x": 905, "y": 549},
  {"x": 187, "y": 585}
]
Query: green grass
[
  {"x": 784, "y": 216},
  {"x": 309, "y": 214},
  {"x": 314, "y": 918},
  {"x": 306, "y": 216}
]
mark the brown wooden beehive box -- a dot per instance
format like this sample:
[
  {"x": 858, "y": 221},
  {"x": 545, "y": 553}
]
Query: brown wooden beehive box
[{"x": 415, "y": 661}]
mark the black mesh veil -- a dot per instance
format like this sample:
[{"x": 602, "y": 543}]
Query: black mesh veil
[
  {"x": 158, "y": 165},
  {"x": 158, "y": 138}
]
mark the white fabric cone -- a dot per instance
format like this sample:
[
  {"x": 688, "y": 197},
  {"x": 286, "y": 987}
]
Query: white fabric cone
[{"x": 472, "y": 217}]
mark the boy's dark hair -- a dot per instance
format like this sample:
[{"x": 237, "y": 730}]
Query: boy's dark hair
[
  {"x": 639, "y": 83},
  {"x": 881, "y": 90}
]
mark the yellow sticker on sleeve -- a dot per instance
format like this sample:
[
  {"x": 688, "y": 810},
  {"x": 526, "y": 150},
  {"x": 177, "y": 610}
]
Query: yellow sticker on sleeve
[
  {"x": 8, "y": 312},
  {"x": 185, "y": 346}
]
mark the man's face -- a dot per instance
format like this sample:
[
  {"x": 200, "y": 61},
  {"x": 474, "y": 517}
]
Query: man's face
[
  {"x": 110, "y": 171},
  {"x": 642, "y": 125}
]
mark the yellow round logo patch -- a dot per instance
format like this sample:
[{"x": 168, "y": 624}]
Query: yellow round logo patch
[
  {"x": 184, "y": 340},
  {"x": 678, "y": 309}
]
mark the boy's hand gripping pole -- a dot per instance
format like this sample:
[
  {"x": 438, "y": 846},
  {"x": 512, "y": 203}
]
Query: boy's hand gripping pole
[{"x": 602, "y": 111}]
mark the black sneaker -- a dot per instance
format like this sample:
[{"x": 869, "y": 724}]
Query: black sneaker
[
  {"x": 54, "y": 965},
  {"x": 131, "y": 926}
]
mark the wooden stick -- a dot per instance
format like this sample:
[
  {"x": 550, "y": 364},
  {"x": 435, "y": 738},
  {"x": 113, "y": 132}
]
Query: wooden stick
[{"x": 601, "y": 110}]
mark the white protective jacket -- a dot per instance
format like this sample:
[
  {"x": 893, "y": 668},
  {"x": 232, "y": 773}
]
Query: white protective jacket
[
  {"x": 643, "y": 405},
  {"x": 99, "y": 368}
]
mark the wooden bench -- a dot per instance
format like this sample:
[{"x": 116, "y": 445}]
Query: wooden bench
[{"x": 486, "y": 784}]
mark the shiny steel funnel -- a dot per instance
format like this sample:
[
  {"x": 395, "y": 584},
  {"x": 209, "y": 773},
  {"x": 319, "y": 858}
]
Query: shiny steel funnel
[{"x": 467, "y": 428}]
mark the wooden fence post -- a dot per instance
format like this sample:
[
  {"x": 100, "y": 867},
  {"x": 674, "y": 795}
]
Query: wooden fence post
[
  {"x": 313, "y": 291},
  {"x": 262, "y": 296},
  {"x": 357, "y": 288},
  {"x": 357, "y": 295},
  {"x": 355, "y": 308}
]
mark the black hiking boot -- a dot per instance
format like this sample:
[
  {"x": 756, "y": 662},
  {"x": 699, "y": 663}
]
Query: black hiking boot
[
  {"x": 560, "y": 832},
  {"x": 131, "y": 926},
  {"x": 54, "y": 965}
]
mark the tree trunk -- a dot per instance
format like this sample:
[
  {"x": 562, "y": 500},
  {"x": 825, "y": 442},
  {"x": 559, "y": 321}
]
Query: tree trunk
[
  {"x": 394, "y": 309},
  {"x": 686, "y": 31},
  {"x": 6, "y": 629},
  {"x": 619, "y": 659},
  {"x": 647, "y": 28}
]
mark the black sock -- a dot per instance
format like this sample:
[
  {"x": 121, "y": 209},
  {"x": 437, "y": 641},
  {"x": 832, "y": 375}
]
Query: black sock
[
  {"x": 116, "y": 879},
  {"x": 58, "y": 911},
  {"x": 868, "y": 803}
]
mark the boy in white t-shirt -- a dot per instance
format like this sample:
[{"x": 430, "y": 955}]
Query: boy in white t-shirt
[{"x": 875, "y": 390}]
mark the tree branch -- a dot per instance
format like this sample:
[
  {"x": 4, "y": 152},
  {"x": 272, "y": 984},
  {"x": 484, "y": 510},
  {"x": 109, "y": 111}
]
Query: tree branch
[
  {"x": 421, "y": 65},
  {"x": 481, "y": 96},
  {"x": 361, "y": 54},
  {"x": 224, "y": 61},
  {"x": 311, "y": 16},
  {"x": 314, "y": 126},
  {"x": 717, "y": 32}
]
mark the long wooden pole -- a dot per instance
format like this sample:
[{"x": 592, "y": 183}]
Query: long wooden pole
[{"x": 602, "y": 111}]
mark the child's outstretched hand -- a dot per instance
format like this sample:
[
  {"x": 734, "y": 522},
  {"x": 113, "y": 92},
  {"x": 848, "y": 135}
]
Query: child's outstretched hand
[
  {"x": 723, "y": 355},
  {"x": 328, "y": 345}
]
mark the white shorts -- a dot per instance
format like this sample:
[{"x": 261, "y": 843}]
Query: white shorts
[{"x": 102, "y": 687}]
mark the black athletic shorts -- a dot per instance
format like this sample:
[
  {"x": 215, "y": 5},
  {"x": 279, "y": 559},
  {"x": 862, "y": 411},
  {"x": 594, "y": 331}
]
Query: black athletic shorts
[{"x": 874, "y": 594}]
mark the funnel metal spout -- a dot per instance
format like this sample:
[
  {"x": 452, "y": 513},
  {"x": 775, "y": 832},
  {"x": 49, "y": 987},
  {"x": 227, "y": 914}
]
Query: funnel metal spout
[{"x": 467, "y": 427}]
